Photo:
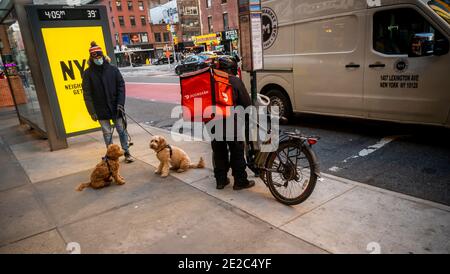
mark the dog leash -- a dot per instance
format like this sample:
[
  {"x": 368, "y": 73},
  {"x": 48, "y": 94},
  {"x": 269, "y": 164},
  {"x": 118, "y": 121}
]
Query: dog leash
[{"x": 121, "y": 109}]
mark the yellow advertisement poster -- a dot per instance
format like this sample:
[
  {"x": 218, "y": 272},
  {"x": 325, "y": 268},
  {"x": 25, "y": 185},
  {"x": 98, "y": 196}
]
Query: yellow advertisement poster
[{"x": 68, "y": 54}]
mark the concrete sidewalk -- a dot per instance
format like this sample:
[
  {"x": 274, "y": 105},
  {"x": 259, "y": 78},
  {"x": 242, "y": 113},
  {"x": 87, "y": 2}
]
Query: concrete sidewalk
[{"x": 41, "y": 213}]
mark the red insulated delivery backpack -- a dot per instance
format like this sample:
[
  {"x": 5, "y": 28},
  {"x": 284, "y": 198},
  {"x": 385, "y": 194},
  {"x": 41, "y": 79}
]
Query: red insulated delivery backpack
[{"x": 206, "y": 95}]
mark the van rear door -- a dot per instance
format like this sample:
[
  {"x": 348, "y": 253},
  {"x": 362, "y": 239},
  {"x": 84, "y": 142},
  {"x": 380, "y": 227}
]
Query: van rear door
[{"x": 398, "y": 87}]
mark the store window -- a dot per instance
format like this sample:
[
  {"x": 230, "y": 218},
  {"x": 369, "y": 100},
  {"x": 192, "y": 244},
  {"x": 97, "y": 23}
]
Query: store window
[
  {"x": 125, "y": 39},
  {"x": 144, "y": 37}
]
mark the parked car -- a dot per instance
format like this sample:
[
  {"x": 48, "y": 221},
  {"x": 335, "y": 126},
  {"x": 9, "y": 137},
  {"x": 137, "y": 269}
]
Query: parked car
[
  {"x": 163, "y": 60},
  {"x": 193, "y": 63}
]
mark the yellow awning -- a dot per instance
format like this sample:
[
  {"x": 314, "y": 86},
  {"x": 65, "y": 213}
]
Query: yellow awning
[{"x": 206, "y": 39}]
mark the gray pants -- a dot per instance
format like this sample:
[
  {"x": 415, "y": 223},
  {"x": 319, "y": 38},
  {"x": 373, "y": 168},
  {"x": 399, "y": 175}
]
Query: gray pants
[{"x": 120, "y": 127}]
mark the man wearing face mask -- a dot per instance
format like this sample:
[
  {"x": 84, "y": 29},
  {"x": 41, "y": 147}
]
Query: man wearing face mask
[{"x": 104, "y": 96}]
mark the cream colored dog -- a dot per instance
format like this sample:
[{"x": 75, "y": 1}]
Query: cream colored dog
[{"x": 171, "y": 157}]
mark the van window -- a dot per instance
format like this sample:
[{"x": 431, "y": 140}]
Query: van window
[
  {"x": 394, "y": 29},
  {"x": 330, "y": 35}
]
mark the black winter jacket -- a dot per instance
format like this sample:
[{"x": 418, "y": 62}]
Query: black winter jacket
[{"x": 103, "y": 90}]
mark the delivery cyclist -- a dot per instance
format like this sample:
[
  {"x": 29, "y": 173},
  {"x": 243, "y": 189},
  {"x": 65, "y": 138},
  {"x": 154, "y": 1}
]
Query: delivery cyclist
[{"x": 227, "y": 153}]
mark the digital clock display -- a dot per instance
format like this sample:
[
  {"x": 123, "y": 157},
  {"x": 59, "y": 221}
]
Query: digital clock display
[{"x": 68, "y": 14}]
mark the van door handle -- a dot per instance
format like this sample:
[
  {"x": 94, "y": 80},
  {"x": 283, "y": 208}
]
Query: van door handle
[
  {"x": 377, "y": 65},
  {"x": 353, "y": 65}
]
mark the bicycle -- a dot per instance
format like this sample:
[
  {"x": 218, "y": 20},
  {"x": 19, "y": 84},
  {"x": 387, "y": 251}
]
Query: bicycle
[{"x": 291, "y": 171}]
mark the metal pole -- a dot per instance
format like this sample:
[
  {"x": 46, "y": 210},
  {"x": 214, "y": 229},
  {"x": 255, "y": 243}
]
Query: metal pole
[{"x": 253, "y": 86}]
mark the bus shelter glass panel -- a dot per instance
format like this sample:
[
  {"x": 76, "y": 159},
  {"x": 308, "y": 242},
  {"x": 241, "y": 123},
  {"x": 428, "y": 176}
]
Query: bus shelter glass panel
[{"x": 19, "y": 76}]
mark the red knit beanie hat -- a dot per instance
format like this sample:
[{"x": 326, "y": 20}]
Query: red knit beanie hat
[{"x": 95, "y": 51}]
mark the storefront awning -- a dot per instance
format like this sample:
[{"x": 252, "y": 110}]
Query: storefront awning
[{"x": 206, "y": 39}]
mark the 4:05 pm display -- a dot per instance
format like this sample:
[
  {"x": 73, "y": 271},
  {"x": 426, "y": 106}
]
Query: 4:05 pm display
[{"x": 68, "y": 14}]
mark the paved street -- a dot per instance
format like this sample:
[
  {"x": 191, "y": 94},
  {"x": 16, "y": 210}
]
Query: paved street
[{"x": 409, "y": 159}]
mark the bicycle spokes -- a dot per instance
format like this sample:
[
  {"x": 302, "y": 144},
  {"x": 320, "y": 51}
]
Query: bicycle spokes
[{"x": 292, "y": 172}]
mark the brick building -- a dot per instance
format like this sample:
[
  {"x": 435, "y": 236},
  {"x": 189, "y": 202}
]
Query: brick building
[
  {"x": 183, "y": 15},
  {"x": 163, "y": 13},
  {"x": 218, "y": 15},
  {"x": 189, "y": 13},
  {"x": 130, "y": 30}
]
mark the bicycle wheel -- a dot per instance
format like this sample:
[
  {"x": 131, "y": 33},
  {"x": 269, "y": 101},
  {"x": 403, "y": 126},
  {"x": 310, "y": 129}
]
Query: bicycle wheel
[{"x": 291, "y": 173}]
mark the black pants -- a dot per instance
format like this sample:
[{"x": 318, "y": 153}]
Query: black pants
[{"x": 226, "y": 155}]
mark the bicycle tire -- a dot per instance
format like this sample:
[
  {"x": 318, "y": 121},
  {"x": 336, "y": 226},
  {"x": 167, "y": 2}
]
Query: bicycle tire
[{"x": 313, "y": 171}]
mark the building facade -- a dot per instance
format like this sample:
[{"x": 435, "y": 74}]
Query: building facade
[
  {"x": 165, "y": 25},
  {"x": 218, "y": 15},
  {"x": 130, "y": 30},
  {"x": 189, "y": 13}
]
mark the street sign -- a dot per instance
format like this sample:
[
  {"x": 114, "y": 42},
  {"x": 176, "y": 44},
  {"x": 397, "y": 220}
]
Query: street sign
[
  {"x": 257, "y": 42},
  {"x": 63, "y": 35},
  {"x": 251, "y": 35}
]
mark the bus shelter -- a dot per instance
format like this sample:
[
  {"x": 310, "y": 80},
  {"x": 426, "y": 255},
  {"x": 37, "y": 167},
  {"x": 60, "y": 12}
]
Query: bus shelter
[{"x": 44, "y": 52}]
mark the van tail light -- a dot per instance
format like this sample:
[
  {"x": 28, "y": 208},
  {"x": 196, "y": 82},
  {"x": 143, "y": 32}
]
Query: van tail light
[{"x": 240, "y": 73}]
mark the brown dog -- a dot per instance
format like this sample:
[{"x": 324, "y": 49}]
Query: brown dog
[
  {"x": 171, "y": 157},
  {"x": 106, "y": 170}
]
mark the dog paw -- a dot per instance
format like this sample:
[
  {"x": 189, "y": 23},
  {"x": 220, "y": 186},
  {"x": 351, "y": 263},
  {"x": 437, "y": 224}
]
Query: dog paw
[
  {"x": 181, "y": 170},
  {"x": 164, "y": 175},
  {"x": 157, "y": 172}
]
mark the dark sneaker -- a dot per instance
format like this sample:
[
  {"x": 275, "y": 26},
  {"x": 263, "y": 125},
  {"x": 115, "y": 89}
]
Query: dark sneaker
[
  {"x": 128, "y": 158},
  {"x": 223, "y": 185},
  {"x": 250, "y": 184}
]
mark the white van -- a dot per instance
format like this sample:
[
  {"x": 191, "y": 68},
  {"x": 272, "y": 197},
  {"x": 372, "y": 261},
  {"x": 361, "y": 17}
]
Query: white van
[{"x": 374, "y": 59}]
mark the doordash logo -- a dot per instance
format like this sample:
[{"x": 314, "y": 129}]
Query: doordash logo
[{"x": 197, "y": 94}]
